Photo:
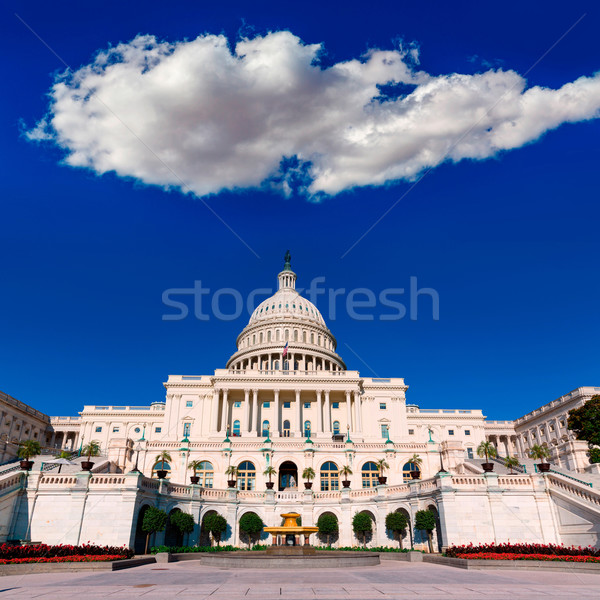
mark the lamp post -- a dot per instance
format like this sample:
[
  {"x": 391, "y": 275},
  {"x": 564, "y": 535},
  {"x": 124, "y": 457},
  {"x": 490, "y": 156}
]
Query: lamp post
[
  {"x": 138, "y": 448},
  {"x": 442, "y": 470}
]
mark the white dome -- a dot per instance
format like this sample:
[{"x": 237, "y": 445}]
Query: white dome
[{"x": 286, "y": 303}]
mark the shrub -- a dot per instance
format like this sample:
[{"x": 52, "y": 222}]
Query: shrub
[
  {"x": 425, "y": 521},
  {"x": 251, "y": 524},
  {"x": 328, "y": 526},
  {"x": 215, "y": 524},
  {"x": 154, "y": 520},
  {"x": 362, "y": 524},
  {"x": 397, "y": 522},
  {"x": 183, "y": 521},
  {"x": 8, "y": 552},
  {"x": 547, "y": 549}
]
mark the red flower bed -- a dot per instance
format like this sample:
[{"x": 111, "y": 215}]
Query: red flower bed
[
  {"x": 512, "y": 556},
  {"x": 538, "y": 549},
  {"x": 9, "y": 552},
  {"x": 62, "y": 559}
]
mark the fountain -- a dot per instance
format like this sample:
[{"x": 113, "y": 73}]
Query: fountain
[{"x": 287, "y": 539}]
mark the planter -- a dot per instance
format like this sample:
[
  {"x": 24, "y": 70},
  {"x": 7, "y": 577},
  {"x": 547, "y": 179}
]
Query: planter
[
  {"x": 161, "y": 474},
  {"x": 270, "y": 485},
  {"x": 195, "y": 480},
  {"x": 543, "y": 467},
  {"x": 382, "y": 480},
  {"x": 346, "y": 484},
  {"x": 415, "y": 474},
  {"x": 231, "y": 483},
  {"x": 487, "y": 467},
  {"x": 86, "y": 465},
  {"x": 308, "y": 485},
  {"x": 26, "y": 465}
]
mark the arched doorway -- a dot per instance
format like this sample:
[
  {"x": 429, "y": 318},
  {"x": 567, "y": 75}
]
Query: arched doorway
[
  {"x": 173, "y": 536},
  {"x": 204, "y": 539},
  {"x": 407, "y": 538},
  {"x": 372, "y": 535},
  {"x": 288, "y": 475},
  {"x": 139, "y": 543},
  {"x": 437, "y": 534}
]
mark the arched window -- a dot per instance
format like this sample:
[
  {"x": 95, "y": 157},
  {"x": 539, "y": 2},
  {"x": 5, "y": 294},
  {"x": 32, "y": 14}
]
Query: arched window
[
  {"x": 306, "y": 428},
  {"x": 236, "y": 428},
  {"x": 161, "y": 465},
  {"x": 276, "y": 365},
  {"x": 277, "y": 335},
  {"x": 304, "y": 336},
  {"x": 269, "y": 336},
  {"x": 336, "y": 427},
  {"x": 312, "y": 338},
  {"x": 330, "y": 479},
  {"x": 265, "y": 428},
  {"x": 206, "y": 473},
  {"x": 286, "y": 428},
  {"x": 287, "y": 335},
  {"x": 246, "y": 476},
  {"x": 407, "y": 469},
  {"x": 369, "y": 474},
  {"x": 295, "y": 335},
  {"x": 254, "y": 339}
]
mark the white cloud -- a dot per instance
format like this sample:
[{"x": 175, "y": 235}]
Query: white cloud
[{"x": 222, "y": 118}]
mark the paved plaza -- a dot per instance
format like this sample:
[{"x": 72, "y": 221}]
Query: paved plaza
[{"x": 390, "y": 580}]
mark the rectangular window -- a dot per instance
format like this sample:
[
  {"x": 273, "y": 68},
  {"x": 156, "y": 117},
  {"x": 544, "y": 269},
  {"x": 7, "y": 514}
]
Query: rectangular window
[
  {"x": 237, "y": 405},
  {"x": 115, "y": 430},
  {"x": 98, "y": 429},
  {"x": 189, "y": 404},
  {"x": 384, "y": 430},
  {"x": 157, "y": 429},
  {"x": 469, "y": 452},
  {"x": 467, "y": 432},
  {"x": 287, "y": 405},
  {"x": 450, "y": 431},
  {"x": 551, "y": 427},
  {"x": 307, "y": 405},
  {"x": 562, "y": 423},
  {"x": 411, "y": 432},
  {"x": 335, "y": 405},
  {"x": 266, "y": 405},
  {"x": 382, "y": 406},
  {"x": 186, "y": 429}
]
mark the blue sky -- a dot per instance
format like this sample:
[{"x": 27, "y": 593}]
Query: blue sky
[{"x": 508, "y": 242}]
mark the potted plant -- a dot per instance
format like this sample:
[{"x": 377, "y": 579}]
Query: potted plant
[
  {"x": 270, "y": 471},
  {"x": 195, "y": 465},
  {"x": 488, "y": 450},
  {"x": 540, "y": 453},
  {"x": 232, "y": 472},
  {"x": 27, "y": 450},
  {"x": 511, "y": 462},
  {"x": 163, "y": 457},
  {"x": 308, "y": 474},
  {"x": 89, "y": 450},
  {"x": 345, "y": 471},
  {"x": 381, "y": 467},
  {"x": 416, "y": 461}
]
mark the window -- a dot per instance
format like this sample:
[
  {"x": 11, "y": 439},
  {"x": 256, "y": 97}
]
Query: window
[
  {"x": 411, "y": 432},
  {"x": 236, "y": 428},
  {"x": 157, "y": 429},
  {"x": 287, "y": 405},
  {"x": 407, "y": 469},
  {"x": 307, "y": 405},
  {"x": 266, "y": 405},
  {"x": 369, "y": 474},
  {"x": 205, "y": 473},
  {"x": 469, "y": 452},
  {"x": 237, "y": 405},
  {"x": 384, "y": 430},
  {"x": 160, "y": 466},
  {"x": 265, "y": 428},
  {"x": 276, "y": 365},
  {"x": 467, "y": 432},
  {"x": 551, "y": 427},
  {"x": 189, "y": 404},
  {"x": 137, "y": 430},
  {"x": 115, "y": 430},
  {"x": 330, "y": 479},
  {"x": 98, "y": 429},
  {"x": 306, "y": 428},
  {"x": 335, "y": 405},
  {"x": 382, "y": 406},
  {"x": 246, "y": 476},
  {"x": 450, "y": 431},
  {"x": 286, "y": 429},
  {"x": 336, "y": 427},
  {"x": 562, "y": 423},
  {"x": 186, "y": 429}
]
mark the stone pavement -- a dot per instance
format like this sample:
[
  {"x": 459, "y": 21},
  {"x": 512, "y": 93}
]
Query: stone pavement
[{"x": 389, "y": 581}]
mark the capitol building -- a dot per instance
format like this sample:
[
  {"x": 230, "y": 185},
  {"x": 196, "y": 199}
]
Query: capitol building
[{"x": 286, "y": 400}]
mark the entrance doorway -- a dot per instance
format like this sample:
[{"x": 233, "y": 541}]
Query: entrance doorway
[{"x": 288, "y": 476}]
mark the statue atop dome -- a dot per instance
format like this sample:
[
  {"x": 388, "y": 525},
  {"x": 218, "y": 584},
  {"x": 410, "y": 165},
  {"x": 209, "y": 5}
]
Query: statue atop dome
[{"x": 288, "y": 257}]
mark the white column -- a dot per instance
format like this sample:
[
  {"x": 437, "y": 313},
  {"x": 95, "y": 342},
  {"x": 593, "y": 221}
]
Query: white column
[
  {"x": 247, "y": 426},
  {"x": 319, "y": 412},
  {"x": 224, "y": 412},
  {"x": 214, "y": 425},
  {"x": 255, "y": 415},
  {"x": 298, "y": 423},
  {"x": 349, "y": 411},
  {"x": 276, "y": 429},
  {"x": 327, "y": 425},
  {"x": 358, "y": 411}
]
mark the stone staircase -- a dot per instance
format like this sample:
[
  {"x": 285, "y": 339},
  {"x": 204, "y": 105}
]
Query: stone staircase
[{"x": 101, "y": 465}]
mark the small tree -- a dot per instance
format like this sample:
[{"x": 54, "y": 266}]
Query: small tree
[
  {"x": 362, "y": 524},
  {"x": 251, "y": 524},
  {"x": 308, "y": 473},
  {"x": 154, "y": 521},
  {"x": 328, "y": 526},
  {"x": 397, "y": 523},
  {"x": 585, "y": 421},
  {"x": 91, "y": 449},
  {"x": 183, "y": 521},
  {"x": 194, "y": 466},
  {"x": 415, "y": 460},
  {"x": 216, "y": 525},
  {"x": 269, "y": 471},
  {"x": 486, "y": 449},
  {"x": 382, "y": 465},
  {"x": 425, "y": 521},
  {"x": 28, "y": 449},
  {"x": 511, "y": 462},
  {"x": 345, "y": 471},
  {"x": 164, "y": 456},
  {"x": 64, "y": 454},
  {"x": 231, "y": 471},
  {"x": 538, "y": 452}
]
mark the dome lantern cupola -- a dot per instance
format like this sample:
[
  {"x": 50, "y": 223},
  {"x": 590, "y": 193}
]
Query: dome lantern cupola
[{"x": 287, "y": 277}]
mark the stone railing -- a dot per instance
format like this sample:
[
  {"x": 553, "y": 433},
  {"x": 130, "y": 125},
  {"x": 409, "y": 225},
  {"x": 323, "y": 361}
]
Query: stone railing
[
  {"x": 402, "y": 488},
  {"x": 574, "y": 489},
  {"x": 327, "y": 495},
  {"x": 250, "y": 494},
  {"x": 64, "y": 480},
  {"x": 176, "y": 489},
  {"x": 107, "y": 480},
  {"x": 11, "y": 483}
]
